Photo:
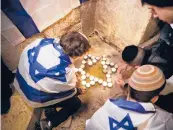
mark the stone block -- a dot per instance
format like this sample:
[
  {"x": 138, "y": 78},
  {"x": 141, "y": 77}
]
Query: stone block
[
  {"x": 125, "y": 21},
  {"x": 88, "y": 16},
  {"x": 64, "y": 25}
]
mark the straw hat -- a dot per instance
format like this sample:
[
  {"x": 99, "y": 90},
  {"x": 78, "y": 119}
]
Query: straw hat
[{"x": 147, "y": 78}]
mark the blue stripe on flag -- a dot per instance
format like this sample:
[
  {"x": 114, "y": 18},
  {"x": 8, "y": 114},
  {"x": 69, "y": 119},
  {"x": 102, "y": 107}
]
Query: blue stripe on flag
[
  {"x": 133, "y": 106},
  {"x": 82, "y": 1},
  {"x": 35, "y": 95},
  {"x": 51, "y": 72},
  {"x": 20, "y": 18}
]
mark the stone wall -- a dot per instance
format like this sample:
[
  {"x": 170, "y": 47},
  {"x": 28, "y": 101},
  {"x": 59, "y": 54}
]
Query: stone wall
[{"x": 120, "y": 22}]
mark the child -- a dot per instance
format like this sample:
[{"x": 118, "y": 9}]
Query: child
[
  {"x": 137, "y": 110},
  {"x": 46, "y": 76}
]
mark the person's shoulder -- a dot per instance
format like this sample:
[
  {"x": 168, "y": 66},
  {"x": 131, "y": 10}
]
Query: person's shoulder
[{"x": 163, "y": 115}]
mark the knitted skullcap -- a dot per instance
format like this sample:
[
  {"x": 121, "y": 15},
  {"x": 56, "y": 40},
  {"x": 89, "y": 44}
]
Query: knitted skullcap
[{"x": 147, "y": 78}]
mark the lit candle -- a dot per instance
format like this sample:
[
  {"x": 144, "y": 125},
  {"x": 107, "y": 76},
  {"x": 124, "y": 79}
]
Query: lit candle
[
  {"x": 113, "y": 70},
  {"x": 105, "y": 66},
  {"x": 87, "y": 85},
  {"x": 83, "y": 83},
  {"x": 92, "y": 82},
  {"x": 104, "y": 84},
  {"x": 100, "y": 81},
  {"x": 91, "y": 77},
  {"x": 109, "y": 85},
  {"x": 83, "y": 77}
]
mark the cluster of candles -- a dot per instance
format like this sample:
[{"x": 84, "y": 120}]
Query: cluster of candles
[{"x": 109, "y": 68}]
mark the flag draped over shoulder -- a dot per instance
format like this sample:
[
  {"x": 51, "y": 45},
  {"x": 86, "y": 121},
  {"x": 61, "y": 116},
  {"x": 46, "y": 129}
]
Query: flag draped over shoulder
[{"x": 45, "y": 74}]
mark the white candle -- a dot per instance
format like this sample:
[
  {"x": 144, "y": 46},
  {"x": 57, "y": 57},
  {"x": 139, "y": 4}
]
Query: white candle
[
  {"x": 116, "y": 66},
  {"x": 83, "y": 77},
  {"x": 103, "y": 62},
  {"x": 109, "y": 79},
  {"x": 109, "y": 85},
  {"x": 96, "y": 79},
  {"x": 90, "y": 63},
  {"x": 83, "y": 62},
  {"x": 112, "y": 64},
  {"x": 104, "y": 59},
  {"x": 87, "y": 85},
  {"x": 87, "y": 75},
  {"x": 104, "y": 84},
  {"x": 85, "y": 57},
  {"x": 97, "y": 58},
  {"x": 82, "y": 66},
  {"x": 108, "y": 75},
  {"x": 105, "y": 66},
  {"x": 91, "y": 77},
  {"x": 84, "y": 83},
  {"x": 113, "y": 70},
  {"x": 100, "y": 81},
  {"x": 107, "y": 62},
  {"x": 80, "y": 69},
  {"x": 83, "y": 72},
  {"x": 89, "y": 55},
  {"x": 92, "y": 82},
  {"x": 105, "y": 71},
  {"x": 94, "y": 61}
]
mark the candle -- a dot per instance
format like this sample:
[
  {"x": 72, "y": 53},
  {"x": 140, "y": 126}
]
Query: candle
[
  {"x": 108, "y": 75},
  {"x": 92, "y": 82},
  {"x": 109, "y": 85},
  {"x": 105, "y": 66},
  {"x": 100, "y": 81},
  {"x": 104, "y": 84},
  {"x": 103, "y": 62},
  {"x": 91, "y": 77},
  {"x": 84, "y": 83},
  {"x": 83, "y": 77},
  {"x": 109, "y": 79},
  {"x": 87, "y": 85},
  {"x": 113, "y": 70}
]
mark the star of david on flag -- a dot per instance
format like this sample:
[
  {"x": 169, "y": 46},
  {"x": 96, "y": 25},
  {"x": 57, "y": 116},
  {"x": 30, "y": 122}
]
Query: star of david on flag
[
  {"x": 58, "y": 61},
  {"x": 125, "y": 123}
]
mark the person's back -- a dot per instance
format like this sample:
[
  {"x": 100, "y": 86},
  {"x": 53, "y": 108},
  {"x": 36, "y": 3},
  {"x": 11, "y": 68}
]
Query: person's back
[
  {"x": 44, "y": 70},
  {"x": 127, "y": 115},
  {"x": 137, "y": 111},
  {"x": 46, "y": 76}
]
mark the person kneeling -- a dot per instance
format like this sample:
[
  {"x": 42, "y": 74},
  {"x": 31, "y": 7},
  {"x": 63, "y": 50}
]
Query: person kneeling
[
  {"x": 46, "y": 76},
  {"x": 137, "y": 110}
]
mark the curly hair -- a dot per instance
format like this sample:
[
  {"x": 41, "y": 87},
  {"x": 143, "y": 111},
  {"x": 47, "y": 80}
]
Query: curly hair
[{"x": 74, "y": 44}]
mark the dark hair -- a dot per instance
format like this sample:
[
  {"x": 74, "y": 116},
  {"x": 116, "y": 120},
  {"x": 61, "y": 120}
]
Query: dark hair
[
  {"x": 74, "y": 44},
  {"x": 129, "y": 53},
  {"x": 142, "y": 96},
  {"x": 159, "y": 3}
]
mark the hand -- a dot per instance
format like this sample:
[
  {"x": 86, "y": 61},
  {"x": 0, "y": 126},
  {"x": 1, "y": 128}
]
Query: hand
[
  {"x": 81, "y": 90},
  {"x": 122, "y": 68},
  {"x": 119, "y": 80}
]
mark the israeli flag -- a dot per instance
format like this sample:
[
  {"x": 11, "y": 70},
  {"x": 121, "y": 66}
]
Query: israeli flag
[{"x": 45, "y": 74}]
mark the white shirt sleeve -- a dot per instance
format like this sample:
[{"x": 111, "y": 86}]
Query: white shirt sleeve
[{"x": 169, "y": 123}]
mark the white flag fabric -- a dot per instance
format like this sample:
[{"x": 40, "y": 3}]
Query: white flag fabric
[
  {"x": 45, "y": 74},
  {"x": 119, "y": 114}
]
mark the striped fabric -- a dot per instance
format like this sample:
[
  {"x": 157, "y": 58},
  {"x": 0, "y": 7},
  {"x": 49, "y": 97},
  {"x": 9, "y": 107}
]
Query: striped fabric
[
  {"x": 45, "y": 74},
  {"x": 23, "y": 18},
  {"x": 147, "y": 78}
]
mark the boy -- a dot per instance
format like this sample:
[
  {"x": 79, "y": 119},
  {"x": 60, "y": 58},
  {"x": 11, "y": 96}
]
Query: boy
[
  {"x": 137, "y": 110},
  {"x": 46, "y": 76}
]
